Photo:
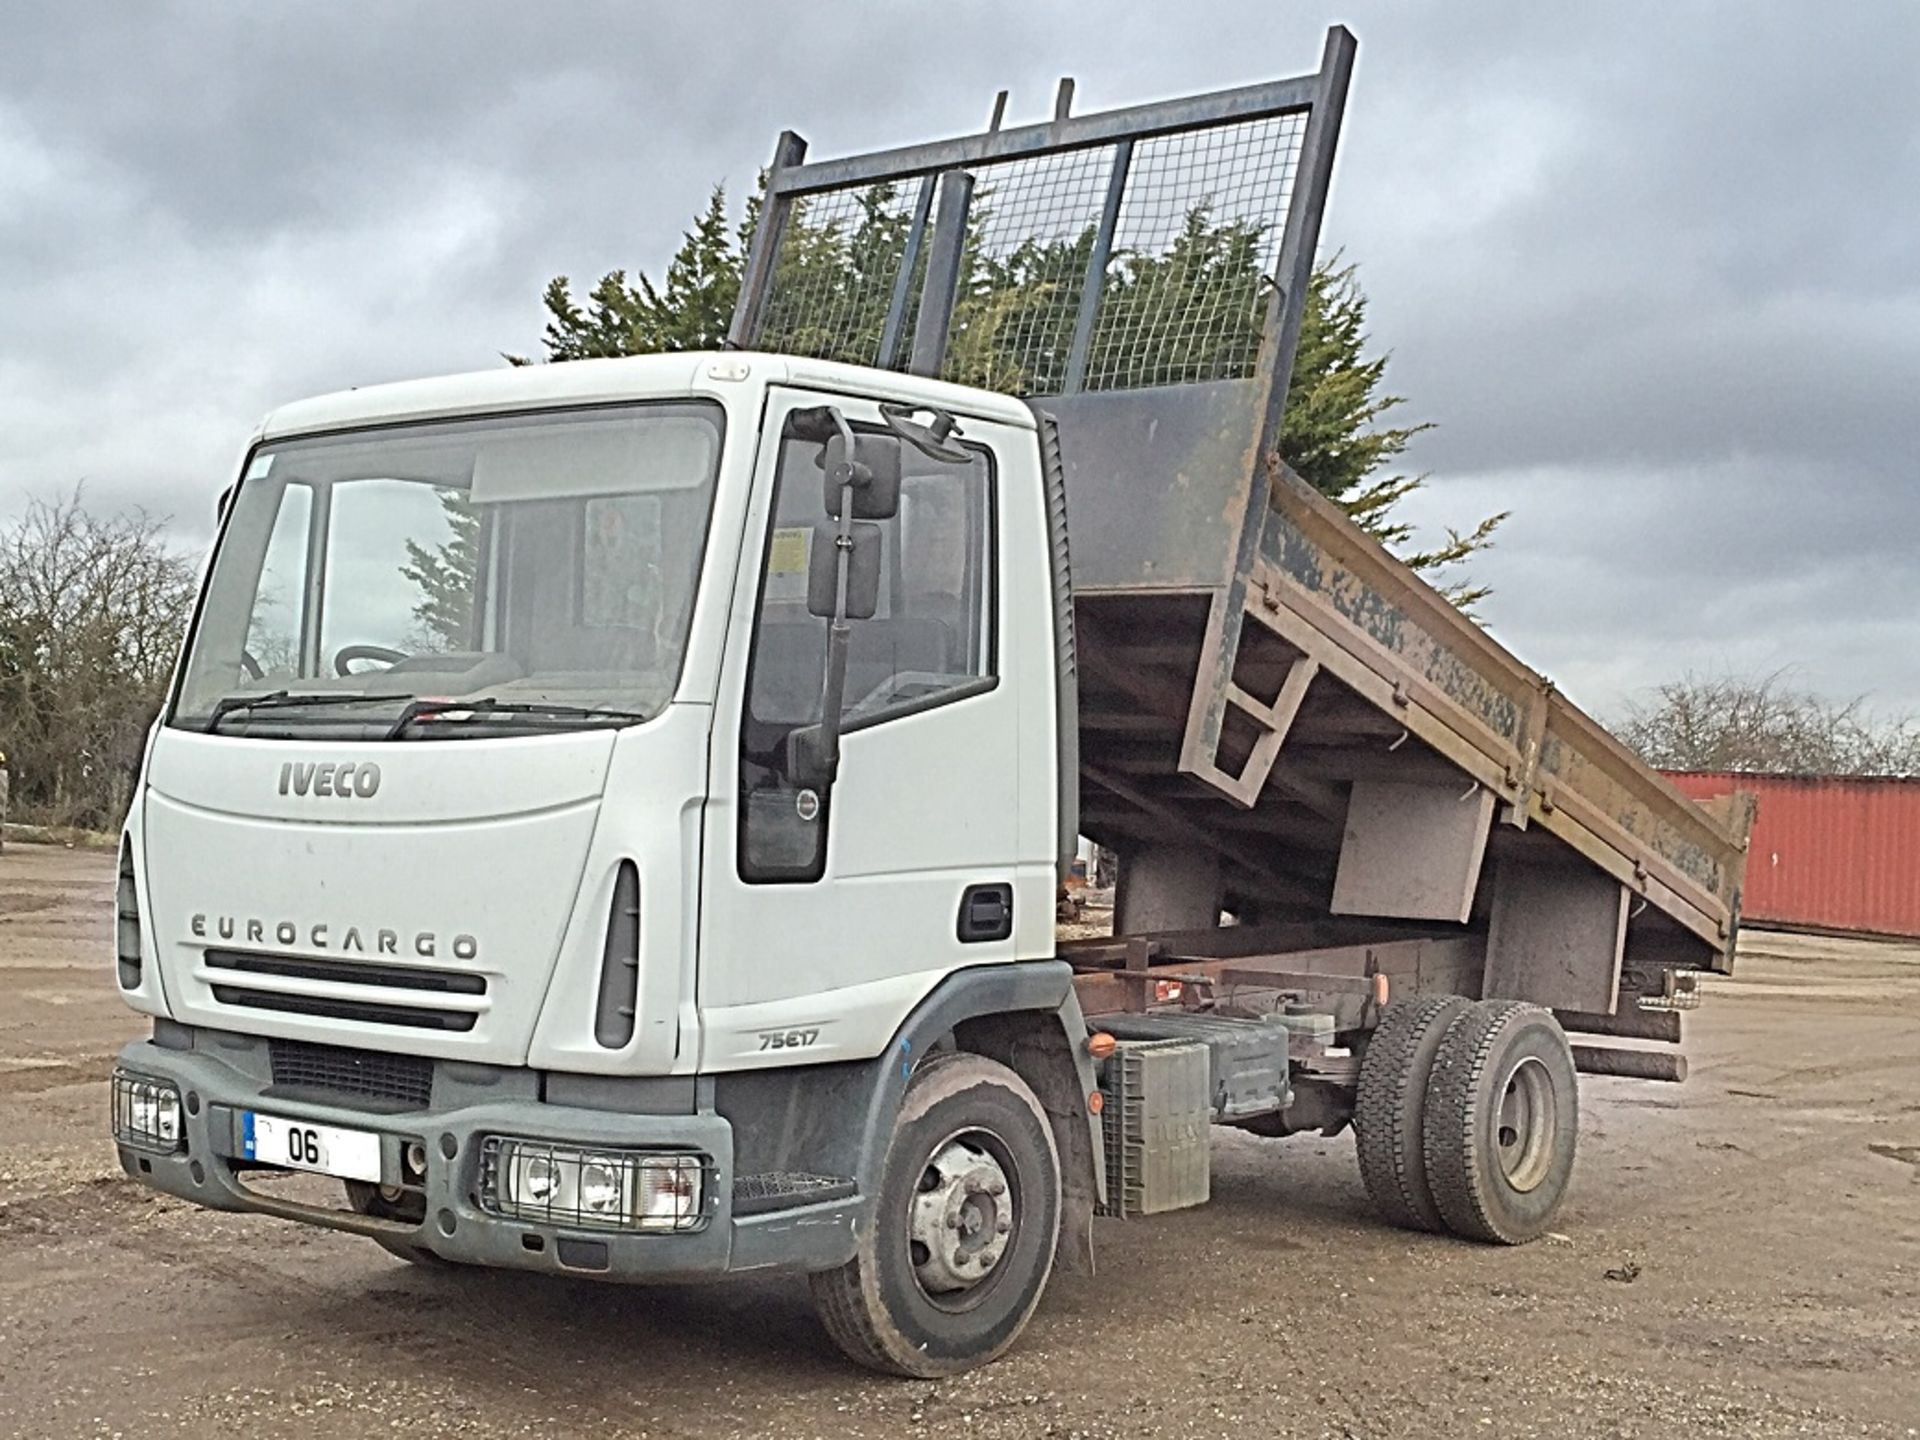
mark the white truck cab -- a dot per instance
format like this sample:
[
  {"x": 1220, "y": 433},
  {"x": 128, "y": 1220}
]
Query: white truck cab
[{"x": 491, "y": 854}]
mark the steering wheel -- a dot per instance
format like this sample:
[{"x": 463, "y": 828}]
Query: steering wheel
[
  {"x": 250, "y": 667},
  {"x": 347, "y": 654},
  {"x": 930, "y": 440}
]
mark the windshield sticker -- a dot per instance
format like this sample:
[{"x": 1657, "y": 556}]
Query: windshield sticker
[
  {"x": 787, "y": 565},
  {"x": 789, "y": 555}
]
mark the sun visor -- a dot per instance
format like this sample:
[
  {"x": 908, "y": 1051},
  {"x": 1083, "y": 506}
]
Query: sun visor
[{"x": 581, "y": 458}]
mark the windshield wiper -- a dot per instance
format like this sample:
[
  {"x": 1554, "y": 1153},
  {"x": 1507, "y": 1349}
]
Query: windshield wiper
[
  {"x": 288, "y": 699},
  {"x": 460, "y": 710}
]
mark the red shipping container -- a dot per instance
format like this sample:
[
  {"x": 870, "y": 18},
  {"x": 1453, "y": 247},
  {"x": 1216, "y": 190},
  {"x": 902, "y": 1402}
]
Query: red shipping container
[{"x": 1829, "y": 852}]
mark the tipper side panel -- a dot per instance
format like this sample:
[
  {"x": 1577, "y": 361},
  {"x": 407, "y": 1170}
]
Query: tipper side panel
[{"x": 1391, "y": 638}]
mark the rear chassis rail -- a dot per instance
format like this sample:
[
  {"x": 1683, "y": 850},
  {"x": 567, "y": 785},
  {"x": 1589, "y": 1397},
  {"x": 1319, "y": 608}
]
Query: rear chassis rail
[{"x": 1347, "y": 971}]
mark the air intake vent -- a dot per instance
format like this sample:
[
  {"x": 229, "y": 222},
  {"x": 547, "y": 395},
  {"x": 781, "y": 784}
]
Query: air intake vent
[
  {"x": 423, "y": 999},
  {"x": 458, "y": 1021},
  {"x": 126, "y": 934},
  {"x": 404, "y": 1080},
  {"x": 350, "y": 972},
  {"x": 620, "y": 963}
]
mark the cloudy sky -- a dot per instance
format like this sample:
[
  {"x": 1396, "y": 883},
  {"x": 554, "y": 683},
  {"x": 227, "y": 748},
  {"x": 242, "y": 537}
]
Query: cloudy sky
[{"x": 1654, "y": 271}]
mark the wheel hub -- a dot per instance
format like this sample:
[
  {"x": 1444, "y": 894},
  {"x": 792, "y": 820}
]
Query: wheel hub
[
  {"x": 1526, "y": 1124},
  {"x": 963, "y": 1217}
]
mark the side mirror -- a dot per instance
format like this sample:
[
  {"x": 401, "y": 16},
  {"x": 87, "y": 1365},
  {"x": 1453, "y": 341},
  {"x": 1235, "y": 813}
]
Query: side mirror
[
  {"x": 862, "y": 484},
  {"x": 813, "y": 751},
  {"x": 222, "y": 505},
  {"x": 869, "y": 462},
  {"x": 863, "y": 571},
  {"x": 873, "y": 470}
]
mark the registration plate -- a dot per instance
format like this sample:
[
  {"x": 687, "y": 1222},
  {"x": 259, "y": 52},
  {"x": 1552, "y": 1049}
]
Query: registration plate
[{"x": 302, "y": 1145}]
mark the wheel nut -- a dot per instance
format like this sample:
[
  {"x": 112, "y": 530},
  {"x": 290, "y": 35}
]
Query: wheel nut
[
  {"x": 1004, "y": 1226},
  {"x": 999, "y": 1187}
]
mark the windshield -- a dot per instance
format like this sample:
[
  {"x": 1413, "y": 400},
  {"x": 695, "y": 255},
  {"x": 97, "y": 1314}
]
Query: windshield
[{"x": 541, "y": 568}]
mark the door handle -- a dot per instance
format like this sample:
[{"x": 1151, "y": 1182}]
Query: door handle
[{"x": 986, "y": 913}]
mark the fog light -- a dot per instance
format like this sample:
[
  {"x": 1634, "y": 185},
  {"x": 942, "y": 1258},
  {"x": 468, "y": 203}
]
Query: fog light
[
  {"x": 594, "y": 1189},
  {"x": 146, "y": 1113}
]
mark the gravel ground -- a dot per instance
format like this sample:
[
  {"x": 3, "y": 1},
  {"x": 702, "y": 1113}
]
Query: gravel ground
[{"x": 1740, "y": 1257}]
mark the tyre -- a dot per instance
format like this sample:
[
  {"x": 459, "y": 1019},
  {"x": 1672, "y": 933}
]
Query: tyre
[
  {"x": 1503, "y": 1120},
  {"x": 963, "y": 1231},
  {"x": 414, "y": 1254},
  {"x": 1390, "y": 1108},
  {"x": 367, "y": 1200}
]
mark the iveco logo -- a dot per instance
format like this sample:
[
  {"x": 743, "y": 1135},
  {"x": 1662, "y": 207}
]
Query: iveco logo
[{"x": 344, "y": 781}]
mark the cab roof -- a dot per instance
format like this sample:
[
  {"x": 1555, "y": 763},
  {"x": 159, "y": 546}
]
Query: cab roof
[{"x": 639, "y": 377}]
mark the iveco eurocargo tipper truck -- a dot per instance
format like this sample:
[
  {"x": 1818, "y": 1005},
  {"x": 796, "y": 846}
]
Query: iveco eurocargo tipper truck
[{"x": 608, "y": 817}]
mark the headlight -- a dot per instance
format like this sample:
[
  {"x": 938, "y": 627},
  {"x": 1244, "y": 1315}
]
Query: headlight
[
  {"x": 594, "y": 1189},
  {"x": 601, "y": 1192},
  {"x": 535, "y": 1180},
  {"x": 146, "y": 1112}
]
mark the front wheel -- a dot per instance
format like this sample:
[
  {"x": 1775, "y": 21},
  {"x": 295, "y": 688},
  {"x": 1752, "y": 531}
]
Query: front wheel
[
  {"x": 367, "y": 1200},
  {"x": 415, "y": 1254},
  {"x": 963, "y": 1231}
]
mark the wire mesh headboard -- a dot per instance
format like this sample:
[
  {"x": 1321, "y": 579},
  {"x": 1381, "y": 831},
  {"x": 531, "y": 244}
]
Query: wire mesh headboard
[{"x": 1164, "y": 244}]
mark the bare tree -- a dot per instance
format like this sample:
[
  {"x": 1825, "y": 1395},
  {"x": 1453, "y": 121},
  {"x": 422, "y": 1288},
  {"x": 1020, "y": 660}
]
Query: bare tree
[
  {"x": 1766, "y": 726},
  {"x": 92, "y": 610}
]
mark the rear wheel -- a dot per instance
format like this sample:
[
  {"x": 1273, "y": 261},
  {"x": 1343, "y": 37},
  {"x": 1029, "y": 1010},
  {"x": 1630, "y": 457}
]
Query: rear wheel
[
  {"x": 1503, "y": 1119},
  {"x": 1390, "y": 1108},
  {"x": 963, "y": 1231}
]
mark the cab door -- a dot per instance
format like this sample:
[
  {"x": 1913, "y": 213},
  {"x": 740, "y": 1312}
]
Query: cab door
[{"x": 828, "y": 913}]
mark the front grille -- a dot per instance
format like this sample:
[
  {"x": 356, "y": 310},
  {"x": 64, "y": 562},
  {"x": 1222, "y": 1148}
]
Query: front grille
[
  {"x": 370, "y": 1074},
  {"x": 456, "y": 1021},
  {"x": 350, "y": 972},
  {"x": 231, "y": 969}
]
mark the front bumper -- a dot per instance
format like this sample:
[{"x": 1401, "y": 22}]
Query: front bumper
[{"x": 470, "y": 1103}]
